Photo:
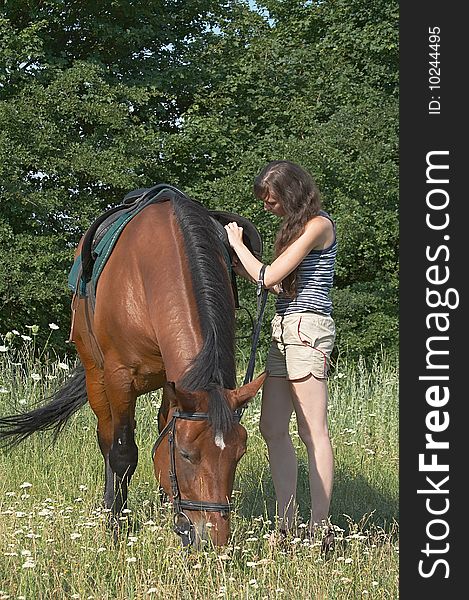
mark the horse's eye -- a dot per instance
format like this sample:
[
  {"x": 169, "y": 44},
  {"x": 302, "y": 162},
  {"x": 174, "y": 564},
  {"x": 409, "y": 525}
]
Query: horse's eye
[{"x": 185, "y": 455}]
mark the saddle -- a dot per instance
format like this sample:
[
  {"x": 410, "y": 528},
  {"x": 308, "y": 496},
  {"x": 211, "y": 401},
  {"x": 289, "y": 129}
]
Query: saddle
[{"x": 102, "y": 235}]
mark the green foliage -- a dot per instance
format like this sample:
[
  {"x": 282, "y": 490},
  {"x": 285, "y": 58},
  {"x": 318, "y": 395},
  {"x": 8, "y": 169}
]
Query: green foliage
[{"x": 100, "y": 98}]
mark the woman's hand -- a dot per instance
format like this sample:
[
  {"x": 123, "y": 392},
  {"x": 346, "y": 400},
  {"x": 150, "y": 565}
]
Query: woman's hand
[
  {"x": 235, "y": 235},
  {"x": 276, "y": 289}
]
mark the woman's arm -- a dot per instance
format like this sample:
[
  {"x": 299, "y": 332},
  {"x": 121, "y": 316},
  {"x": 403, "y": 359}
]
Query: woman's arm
[
  {"x": 240, "y": 270},
  {"x": 316, "y": 232}
]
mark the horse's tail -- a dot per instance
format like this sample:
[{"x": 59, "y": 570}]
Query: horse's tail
[{"x": 53, "y": 415}]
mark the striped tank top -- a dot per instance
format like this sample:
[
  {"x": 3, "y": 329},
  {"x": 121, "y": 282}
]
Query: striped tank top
[{"x": 314, "y": 282}]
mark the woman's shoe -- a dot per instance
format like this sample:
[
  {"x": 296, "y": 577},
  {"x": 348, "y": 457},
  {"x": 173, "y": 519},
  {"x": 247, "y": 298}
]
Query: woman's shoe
[
  {"x": 328, "y": 541},
  {"x": 281, "y": 539}
]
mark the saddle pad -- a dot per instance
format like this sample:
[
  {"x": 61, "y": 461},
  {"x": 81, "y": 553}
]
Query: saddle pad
[
  {"x": 101, "y": 253},
  {"x": 101, "y": 237}
]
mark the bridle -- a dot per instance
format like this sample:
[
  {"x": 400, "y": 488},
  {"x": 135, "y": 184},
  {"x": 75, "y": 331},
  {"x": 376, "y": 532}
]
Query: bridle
[{"x": 183, "y": 526}]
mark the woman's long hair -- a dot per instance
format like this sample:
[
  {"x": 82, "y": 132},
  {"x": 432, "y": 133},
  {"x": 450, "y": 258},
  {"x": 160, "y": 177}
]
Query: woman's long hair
[{"x": 296, "y": 191}]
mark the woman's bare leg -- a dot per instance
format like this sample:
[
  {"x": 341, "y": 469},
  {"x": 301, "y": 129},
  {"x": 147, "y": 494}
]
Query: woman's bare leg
[
  {"x": 309, "y": 396},
  {"x": 277, "y": 408}
]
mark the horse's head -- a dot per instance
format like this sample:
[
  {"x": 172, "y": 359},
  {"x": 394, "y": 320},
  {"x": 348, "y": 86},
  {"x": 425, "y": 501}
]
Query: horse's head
[{"x": 196, "y": 465}]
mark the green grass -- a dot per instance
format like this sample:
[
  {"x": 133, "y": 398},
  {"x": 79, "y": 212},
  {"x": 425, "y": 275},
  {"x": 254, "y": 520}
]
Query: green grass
[{"x": 54, "y": 541}]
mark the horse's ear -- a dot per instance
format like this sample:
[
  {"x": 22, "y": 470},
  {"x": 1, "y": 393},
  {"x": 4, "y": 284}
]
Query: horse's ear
[
  {"x": 181, "y": 399},
  {"x": 245, "y": 393}
]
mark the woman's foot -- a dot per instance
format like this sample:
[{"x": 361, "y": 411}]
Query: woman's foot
[
  {"x": 328, "y": 536},
  {"x": 281, "y": 539},
  {"x": 328, "y": 541}
]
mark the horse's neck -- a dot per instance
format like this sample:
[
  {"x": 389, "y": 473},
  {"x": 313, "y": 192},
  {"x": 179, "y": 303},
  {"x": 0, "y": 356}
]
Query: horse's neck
[{"x": 170, "y": 295}]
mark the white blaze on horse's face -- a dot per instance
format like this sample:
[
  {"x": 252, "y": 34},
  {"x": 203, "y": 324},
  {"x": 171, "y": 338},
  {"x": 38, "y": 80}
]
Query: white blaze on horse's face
[{"x": 219, "y": 441}]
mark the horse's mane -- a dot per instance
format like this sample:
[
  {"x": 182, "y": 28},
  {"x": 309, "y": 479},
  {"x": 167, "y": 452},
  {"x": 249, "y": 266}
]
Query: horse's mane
[{"x": 214, "y": 368}]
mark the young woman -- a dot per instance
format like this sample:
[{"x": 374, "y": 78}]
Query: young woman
[{"x": 303, "y": 335}]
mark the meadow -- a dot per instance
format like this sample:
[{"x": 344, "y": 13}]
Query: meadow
[{"x": 54, "y": 543}]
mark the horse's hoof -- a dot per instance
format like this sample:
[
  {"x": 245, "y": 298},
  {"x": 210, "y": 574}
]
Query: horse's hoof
[{"x": 118, "y": 525}]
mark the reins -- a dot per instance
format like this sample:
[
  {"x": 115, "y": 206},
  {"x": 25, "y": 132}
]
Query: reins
[{"x": 261, "y": 294}]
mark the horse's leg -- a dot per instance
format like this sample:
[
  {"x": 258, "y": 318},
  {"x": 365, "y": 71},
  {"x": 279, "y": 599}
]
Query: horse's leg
[
  {"x": 101, "y": 408},
  {"x": 162, "y": 421},
  {"x": 97, "y": 399},
  {"x": 123, "y": 454}
]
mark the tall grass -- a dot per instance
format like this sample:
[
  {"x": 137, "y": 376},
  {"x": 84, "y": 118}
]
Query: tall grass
[{"x": 54, "y": 540}]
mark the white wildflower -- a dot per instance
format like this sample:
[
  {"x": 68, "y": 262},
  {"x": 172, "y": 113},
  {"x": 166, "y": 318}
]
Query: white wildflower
[
  {"x": 53, "y": 326},
  {"x": 3, "y": 348},
  {"x": 26, "y": 338},
  {"x": 35, "y": 376}
]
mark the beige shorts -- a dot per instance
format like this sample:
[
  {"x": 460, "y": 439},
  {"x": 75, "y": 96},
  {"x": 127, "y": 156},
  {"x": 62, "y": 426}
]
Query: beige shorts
[{"x": 301, "y": 344}]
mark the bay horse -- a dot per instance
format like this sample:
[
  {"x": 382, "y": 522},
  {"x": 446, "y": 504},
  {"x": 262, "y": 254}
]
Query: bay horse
[{"x": 163, "y": 317}]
